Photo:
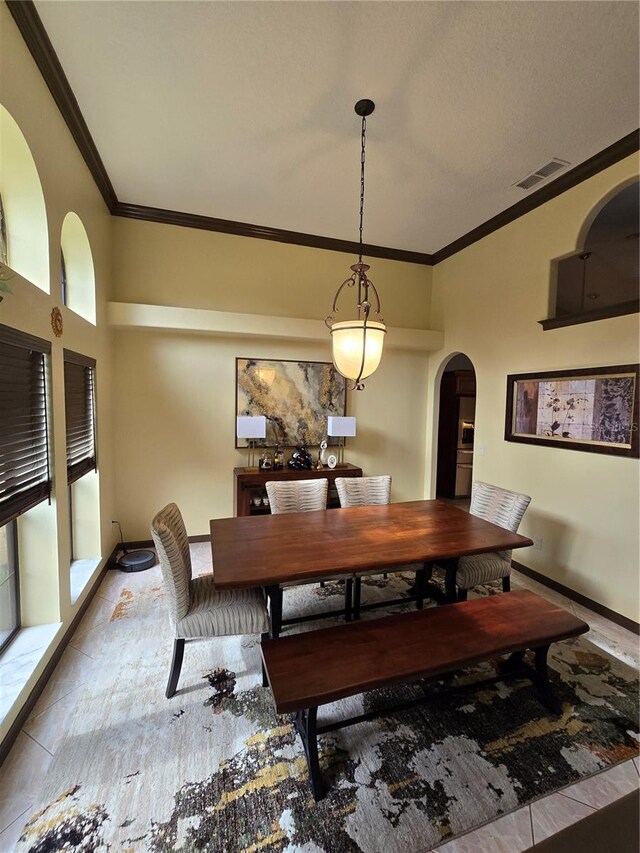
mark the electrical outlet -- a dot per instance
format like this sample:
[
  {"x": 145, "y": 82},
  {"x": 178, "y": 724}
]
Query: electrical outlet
[
  {"x": 537, "y": 542},
  {"x": 479, "y": 449}
]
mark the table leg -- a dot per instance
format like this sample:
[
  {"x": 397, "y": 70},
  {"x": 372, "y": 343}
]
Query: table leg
[
  {"x": 450, "y": 570},
  {"x": 265, "y": 680},
  {"x": 305, "y": 723},
  {"x": 348, "y": 599},
  {"x": 357, "y": 597},
  {"x": 422, "y": 577},
  {"x": 275, "y": 609},
  {"x": 543, "y": 684}
]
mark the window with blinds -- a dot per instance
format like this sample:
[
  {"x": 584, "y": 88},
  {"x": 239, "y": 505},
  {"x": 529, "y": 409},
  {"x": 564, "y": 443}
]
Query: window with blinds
[
  {"x": 24, "y": 440},
  {"x": 79, "y": 403}
]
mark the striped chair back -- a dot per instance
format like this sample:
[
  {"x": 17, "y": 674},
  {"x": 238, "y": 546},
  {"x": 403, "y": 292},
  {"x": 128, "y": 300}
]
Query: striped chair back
[
  {"x": 363, "y": 491},
  {"x": 297, "y": 495},
  {"x": 499, "y": 506},
  {"x": 170, "y": 538}
]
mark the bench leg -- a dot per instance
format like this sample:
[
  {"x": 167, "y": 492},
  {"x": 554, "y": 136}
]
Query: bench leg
[
  {"x": 275, "y": 609},
  {"x": 514, "y": 663},
  {"x": 543, "y": 684},
  {"x": 306, "y": 725}
]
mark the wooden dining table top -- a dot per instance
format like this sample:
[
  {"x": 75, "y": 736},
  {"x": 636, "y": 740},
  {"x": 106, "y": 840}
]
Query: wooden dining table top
[{"x": 268, "y": 550}]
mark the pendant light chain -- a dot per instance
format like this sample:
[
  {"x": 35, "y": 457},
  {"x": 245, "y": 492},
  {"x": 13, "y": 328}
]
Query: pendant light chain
[
  {"x": 362, "y": 158},
  {"x": 357, "y": 344}
]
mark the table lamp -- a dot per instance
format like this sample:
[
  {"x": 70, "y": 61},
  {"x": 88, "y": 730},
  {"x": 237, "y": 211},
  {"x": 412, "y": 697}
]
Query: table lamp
[
  {"x": 251, "y": 427},
  {"x": 341, "y": 428}
]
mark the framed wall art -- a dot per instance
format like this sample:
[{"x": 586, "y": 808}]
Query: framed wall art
[
  {"x": 296, "y": 397},
  {"x": 593, "y": 409}
]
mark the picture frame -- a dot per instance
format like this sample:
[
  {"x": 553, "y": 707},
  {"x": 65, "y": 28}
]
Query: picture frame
[
  {"x": 296, "y": 397},
  {"x": 590, "y": 409}
]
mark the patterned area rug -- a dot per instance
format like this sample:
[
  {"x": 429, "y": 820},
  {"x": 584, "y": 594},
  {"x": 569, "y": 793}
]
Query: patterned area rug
[{"x": 214, "y": 769}]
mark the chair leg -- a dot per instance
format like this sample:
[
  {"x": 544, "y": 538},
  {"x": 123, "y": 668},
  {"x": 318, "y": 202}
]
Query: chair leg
[
  {"x": 176, "y": 666},
  {"x": 506, "y": 584},
  {"x": 462, "y": 594}
]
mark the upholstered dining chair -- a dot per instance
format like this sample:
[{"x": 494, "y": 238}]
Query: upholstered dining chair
[
  {"x": 366, "y": 491},
  {"x": 501, "y": 507},
  {"x": 196, "y": 608},
  {"x": 297, "y": 495},
  {"x": 303, "y": 496}
]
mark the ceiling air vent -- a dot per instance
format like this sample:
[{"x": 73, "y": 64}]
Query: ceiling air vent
[{"x": 542, "y": 173}]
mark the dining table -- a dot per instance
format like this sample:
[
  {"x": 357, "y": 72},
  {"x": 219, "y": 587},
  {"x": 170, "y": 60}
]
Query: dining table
[{"x": 273, "y": 551}]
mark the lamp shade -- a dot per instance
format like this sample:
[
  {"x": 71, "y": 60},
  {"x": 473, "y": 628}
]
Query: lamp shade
[
  {"x": 341, "y": 427},
  {"x": 349, "y": 339},
  {"x": 248, "y": 426}
]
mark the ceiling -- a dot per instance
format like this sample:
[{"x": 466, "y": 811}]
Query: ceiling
[{"x": 244, "y": 110}]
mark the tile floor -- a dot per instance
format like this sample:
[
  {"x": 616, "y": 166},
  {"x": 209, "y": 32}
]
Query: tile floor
[{"x": 26, "y": 765}]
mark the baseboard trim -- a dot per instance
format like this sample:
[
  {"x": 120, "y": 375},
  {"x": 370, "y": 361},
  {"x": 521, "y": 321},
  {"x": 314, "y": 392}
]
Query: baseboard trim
[
  {"x": 148, "y": 543},
  {"x": 45, "y": 675},
  {"x": 618, "y": 618}
]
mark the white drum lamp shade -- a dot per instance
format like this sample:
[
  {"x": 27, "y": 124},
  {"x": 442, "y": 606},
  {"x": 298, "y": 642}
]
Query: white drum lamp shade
[
  {"x": 349, "y": 339},
  {"x": 248, "y": 426},
  {"x": 341, "y": 427}
]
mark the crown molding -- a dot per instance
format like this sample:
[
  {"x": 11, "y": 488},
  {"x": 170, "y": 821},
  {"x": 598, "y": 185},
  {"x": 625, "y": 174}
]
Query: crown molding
[
  {"x": 618, "y": 151},
  {"x": 35, "y": 36},
  {"x": 264, "y": 232}
]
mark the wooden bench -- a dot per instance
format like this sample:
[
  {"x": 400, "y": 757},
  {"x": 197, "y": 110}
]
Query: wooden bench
[{"x": 318, "y": 667}]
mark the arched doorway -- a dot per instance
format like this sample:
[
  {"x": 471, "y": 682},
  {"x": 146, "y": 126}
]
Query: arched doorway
[{"x": 456, "y": 426}]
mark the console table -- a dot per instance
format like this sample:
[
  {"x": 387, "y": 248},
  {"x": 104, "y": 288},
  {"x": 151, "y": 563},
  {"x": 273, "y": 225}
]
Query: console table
[{"x": 249, "y": 483}]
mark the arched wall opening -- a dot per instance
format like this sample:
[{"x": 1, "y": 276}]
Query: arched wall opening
[
  {"x": 455, "y": 427},
  {"x": 80, "y": 289},
  {"x": 23, "y": 204}
]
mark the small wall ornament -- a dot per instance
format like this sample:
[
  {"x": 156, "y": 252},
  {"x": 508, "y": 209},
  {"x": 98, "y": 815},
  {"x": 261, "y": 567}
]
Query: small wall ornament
[{"x": 56, "y": 322}]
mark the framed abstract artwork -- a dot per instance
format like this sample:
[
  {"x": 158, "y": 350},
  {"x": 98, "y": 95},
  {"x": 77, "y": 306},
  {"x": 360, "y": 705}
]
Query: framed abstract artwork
[
  {"x": 593, "y": 409},
  {"x": 296, "y": 397}
]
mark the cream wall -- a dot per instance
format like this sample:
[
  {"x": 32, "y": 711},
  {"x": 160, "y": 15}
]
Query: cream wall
[
  {"x": 175, "y": 421},
  {"x": 170, "y": 265},
  {"x": 175, "y": 413},
  {"x": 488, "y": 299},
  {"x": 67, "y": 185}
]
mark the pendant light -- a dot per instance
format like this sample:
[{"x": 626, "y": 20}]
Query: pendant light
[{"x": 357, "y": 344}]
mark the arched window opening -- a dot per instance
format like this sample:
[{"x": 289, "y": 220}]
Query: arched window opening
[
  {"x": 78, "y": 278},
  {"x": 602, "y": 279},
  {"x": 4, "y": 257},
  {"x": 63, "y": 278},
  {"x": 26, "y": 240}
]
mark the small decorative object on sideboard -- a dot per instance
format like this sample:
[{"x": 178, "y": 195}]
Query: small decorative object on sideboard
[
  {"x": 332, "y": 460},
  {"x": 301, "y": 459},
  {"x": 265, "y": 462},
  {"x": 278, "y": 459}
]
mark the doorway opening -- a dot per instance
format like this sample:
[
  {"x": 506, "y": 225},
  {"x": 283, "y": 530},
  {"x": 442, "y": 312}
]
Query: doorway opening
[{"x": 456, "y": 428}]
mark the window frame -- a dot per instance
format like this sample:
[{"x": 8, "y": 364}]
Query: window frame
[
  {"x": 12, "y": 548},
  {"x": 85, "y": 465},
  {"x": 17, "y": 505}
]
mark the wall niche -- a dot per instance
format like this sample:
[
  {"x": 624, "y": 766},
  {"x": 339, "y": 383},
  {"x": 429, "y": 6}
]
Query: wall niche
[{"x": 601, "y": 279}]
